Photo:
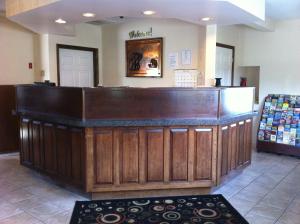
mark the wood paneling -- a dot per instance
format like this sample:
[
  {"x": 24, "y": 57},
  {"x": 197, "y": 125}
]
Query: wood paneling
[
  {"x": 154, "y": 142},
  {"x": 64, "y": 102},
  {"x": 9, "y": 130},
  {"x": 56, "y": 150},
  {"x": 37, "y": 147},
  {"x": 78, "y": 156},
  {"x": 179, "y": 154},
  {"x": 121, "y": 103},
  {"x": 129, "y": 155},
  {"x": 50, "y": 148},
  {"x": 203, "y": 153},
  {"x": 104, "y": 165},
  {"x": 248, "y": 141},
  {"x": 64, "y": 152},
  {"x": 155, "y": 158},
  {"x": 233, "y": 146},
  {"x": 27, "y": 152},
  {"x": 104, "y": 159},
  {"x": 241, "y": 143},
  {"x": 236, "y": 146},
  {"x": 116, "y": 159},
  {"x": 226, "y": 155}
]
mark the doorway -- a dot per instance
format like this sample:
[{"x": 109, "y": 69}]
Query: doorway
[
  {"x": 77, "y": 66},
  {"x": 225, "y": 64}
]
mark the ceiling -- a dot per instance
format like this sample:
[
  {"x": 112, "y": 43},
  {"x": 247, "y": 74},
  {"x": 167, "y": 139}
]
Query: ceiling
[
  {"x": 283, "y": 9},
  {"x": 41, "y": 20}
]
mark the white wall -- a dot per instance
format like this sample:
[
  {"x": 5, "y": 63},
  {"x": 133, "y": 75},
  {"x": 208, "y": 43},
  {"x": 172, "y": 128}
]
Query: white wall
[
  {"x": 86, "y": 36},
  {"x": 255, "y": 7},
  {"x": 252, "y": 75},
  {"x": 18, "y": 47},
  {"x": 176, "y": 35},
  {"x": 278, "y": 55}
]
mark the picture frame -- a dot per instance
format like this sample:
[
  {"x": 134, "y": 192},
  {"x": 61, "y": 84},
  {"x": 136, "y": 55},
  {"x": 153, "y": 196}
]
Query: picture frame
[{"x": 144, "y": 58}]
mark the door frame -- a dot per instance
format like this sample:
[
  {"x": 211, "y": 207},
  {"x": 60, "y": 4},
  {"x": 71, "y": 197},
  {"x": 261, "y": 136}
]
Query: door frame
[
  {"x": 233, "y": 57},
  {"x": 72, "y": 47}
]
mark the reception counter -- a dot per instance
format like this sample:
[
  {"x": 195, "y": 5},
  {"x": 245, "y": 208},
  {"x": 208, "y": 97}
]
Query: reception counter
[{"x": 112, "y": 142}]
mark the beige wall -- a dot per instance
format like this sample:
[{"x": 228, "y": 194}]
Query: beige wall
[
  {"x": 233, "y": 35},
  {"x": 176, "y": 35},
  {"x": 86, "y": 36},
  {"x": 278, "y": 55},
  {"x": 18, "y": 47}
]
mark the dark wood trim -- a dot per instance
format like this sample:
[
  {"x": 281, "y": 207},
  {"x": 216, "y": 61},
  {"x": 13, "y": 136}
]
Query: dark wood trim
[
  {"x": 71, "y": 47},
  {"x": 8, "y": 120},
  {"x": 233, "y": 57}
]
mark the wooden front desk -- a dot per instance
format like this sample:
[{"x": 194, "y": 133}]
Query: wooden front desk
[{"x": 116, "y": 141}]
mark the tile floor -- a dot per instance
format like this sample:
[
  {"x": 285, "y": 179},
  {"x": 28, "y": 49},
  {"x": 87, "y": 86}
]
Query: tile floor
[{"x": 267, "y": 192}]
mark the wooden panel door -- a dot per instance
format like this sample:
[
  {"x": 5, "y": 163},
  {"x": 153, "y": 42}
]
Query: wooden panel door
[
  {"x": 179, "y": 154},
  {"x": 26, "y": 149},
  {"x": 226, "y": 154},
  {"x": 129, "y": 155},
  {"x": 241, "y": 143},
  {"x": 77, "y": 157},
  {"x": 37, "y": 145},
  {"x": 103, "y": 154},
  {"x": 248, "y": 141},
  {"x": 233, "y": 146},
  {"x": 64, "y": 152},
  {"x": 203, "y": 154},
  {"x": 50, "y": 149},
  {"x": 152, "y": 154}
]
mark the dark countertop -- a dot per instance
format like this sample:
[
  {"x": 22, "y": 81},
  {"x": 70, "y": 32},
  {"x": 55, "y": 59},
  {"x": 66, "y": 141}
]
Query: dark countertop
[{"x": 135, "y": 122}]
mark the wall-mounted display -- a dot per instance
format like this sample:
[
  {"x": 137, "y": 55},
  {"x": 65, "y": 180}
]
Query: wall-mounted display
[
  {"x": 280, "y": 124},
  {"x": 144, "y": 57}
]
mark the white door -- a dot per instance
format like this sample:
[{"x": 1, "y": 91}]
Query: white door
[
  {"x": 76, "y": 68},
  {"x": 224, "y": 60}
]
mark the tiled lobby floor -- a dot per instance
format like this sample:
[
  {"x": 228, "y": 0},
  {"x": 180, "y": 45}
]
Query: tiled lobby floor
[{"x": 266, "y": 192}]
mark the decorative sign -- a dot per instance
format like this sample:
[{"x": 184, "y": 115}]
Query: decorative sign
[
  {"x": 144, "y": 57},
  {"x": 138, "y": 34}
]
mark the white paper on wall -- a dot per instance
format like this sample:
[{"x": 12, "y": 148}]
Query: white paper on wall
[
  {"x": 186, "y": 57},
  {"x": 173, "y": 60}
]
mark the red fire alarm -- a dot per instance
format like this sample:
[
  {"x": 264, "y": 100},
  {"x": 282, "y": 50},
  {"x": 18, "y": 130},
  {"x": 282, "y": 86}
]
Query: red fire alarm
[{"x": 30, "y": 65}]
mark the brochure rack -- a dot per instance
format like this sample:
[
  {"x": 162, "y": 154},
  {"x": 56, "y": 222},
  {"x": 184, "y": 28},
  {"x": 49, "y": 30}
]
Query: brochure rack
[{"x": 279, "y": 127}]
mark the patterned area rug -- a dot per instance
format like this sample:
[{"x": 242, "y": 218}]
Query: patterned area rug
[{"x": 204, "y": 209}]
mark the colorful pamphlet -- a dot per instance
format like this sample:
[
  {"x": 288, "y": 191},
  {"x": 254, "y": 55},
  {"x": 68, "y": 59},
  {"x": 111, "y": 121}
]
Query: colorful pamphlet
[{"x": 280, "y": 120}]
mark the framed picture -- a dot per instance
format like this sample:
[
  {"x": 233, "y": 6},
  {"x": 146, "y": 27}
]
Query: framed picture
[{"x": 144, "y": 57}]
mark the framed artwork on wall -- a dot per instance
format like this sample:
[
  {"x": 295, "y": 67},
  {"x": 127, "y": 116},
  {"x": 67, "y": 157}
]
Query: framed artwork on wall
[{"x": 144, "y": 57}]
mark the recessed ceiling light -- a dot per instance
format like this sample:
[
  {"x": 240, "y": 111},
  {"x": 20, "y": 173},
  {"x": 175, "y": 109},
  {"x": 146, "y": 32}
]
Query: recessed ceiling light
[
  {"x": 88, "y": 14},
  {"x": 149, "y": 12},
  {"x": 206, "y": 19},
  {"x": 60, "y": 21}
]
